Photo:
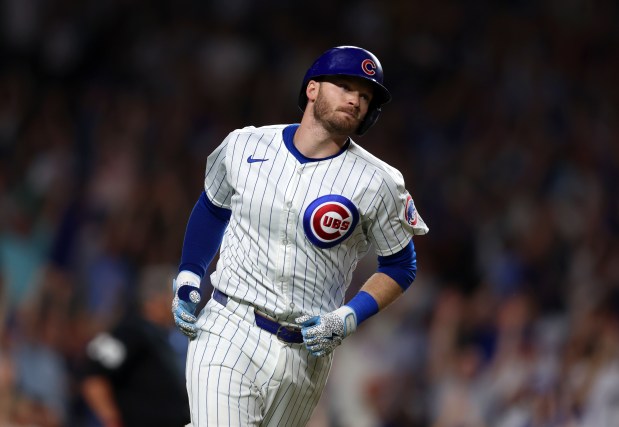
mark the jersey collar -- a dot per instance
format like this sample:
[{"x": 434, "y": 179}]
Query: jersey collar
[{"x": 288, "y": 135}]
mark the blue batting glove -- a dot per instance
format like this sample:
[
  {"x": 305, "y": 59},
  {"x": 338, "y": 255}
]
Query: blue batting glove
[
  {"x": 186, "y": 298},
  {"x": 321, "y": 334}
]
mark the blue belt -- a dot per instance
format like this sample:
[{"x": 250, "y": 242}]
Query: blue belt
[{"x": 284, "y": 333}]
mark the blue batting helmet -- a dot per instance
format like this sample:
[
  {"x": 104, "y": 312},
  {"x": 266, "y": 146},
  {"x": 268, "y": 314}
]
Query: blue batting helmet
[{"x": 355, "y": 62}]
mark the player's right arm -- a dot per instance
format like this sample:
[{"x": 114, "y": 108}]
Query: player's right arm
[{"x": 203, "y": 236}]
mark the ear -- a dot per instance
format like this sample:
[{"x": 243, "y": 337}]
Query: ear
[{"x": 311, "y": 91}]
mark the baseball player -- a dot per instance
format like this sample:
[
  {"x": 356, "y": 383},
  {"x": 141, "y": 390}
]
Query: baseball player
[{"x": 292, "y": 209}]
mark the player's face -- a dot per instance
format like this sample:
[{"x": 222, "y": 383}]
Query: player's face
[{"x": 342, "y": 103}]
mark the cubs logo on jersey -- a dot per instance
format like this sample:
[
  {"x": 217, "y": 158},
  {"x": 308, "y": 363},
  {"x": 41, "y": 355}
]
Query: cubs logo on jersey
[
  {"x": 329, "y": 220},
  {"x": 410, "y": 212}
]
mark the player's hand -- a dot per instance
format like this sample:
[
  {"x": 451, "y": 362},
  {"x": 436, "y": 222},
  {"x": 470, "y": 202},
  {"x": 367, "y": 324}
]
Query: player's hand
[
  {"x": 186, "y": 299},
  {"x": 321, "y": 334}
]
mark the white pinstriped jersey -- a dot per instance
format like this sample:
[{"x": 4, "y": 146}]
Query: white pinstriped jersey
[{"x": 298, "y": 229}]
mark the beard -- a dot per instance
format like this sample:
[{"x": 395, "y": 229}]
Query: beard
[{"x": 331, "y": 120}]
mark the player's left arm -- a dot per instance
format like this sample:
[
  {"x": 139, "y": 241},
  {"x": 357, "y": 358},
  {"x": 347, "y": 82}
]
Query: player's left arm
[
  {"x": 394, "y": 222},
  {"x": 395, "y": 274}
]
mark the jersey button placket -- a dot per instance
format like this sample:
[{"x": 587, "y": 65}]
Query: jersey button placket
[
  {"x": 288, "y": 227},
  {"x": 287, "y": 251}
]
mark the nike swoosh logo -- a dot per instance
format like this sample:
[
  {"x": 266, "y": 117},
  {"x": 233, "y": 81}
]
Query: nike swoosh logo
[{"x": 250, "y": 159}]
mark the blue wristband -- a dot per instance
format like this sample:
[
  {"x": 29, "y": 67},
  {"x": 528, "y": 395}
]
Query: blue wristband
[{"x": 364, "y": 306}]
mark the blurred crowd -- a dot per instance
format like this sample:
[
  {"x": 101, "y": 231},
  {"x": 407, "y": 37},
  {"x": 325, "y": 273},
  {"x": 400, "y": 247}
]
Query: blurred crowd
[{"x": 502, "y": 122}]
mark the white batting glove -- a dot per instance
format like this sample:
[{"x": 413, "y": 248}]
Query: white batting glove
[
  {"x": 186, "y": 298},
  {"x": 321, "y": 334}
]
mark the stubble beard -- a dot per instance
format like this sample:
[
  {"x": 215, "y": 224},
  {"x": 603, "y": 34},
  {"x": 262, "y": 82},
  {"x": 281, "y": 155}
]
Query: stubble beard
[{"x": 330, "y": 120}]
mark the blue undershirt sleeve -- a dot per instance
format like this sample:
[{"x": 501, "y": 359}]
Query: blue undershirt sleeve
[
  {"x": 203, "y": 236},
  {"x": 401, "y": 266}
]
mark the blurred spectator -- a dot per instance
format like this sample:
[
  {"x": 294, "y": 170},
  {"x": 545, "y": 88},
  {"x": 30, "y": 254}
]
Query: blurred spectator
[
  {"x": 38, "y": 377},
  {"x": 592, "y": 365},
  {"x": 132, "y": 375}
]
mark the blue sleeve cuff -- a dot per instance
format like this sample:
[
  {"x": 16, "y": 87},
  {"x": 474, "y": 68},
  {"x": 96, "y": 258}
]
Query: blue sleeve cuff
[
  {"x": 401, "y": 266},
  {"x": 364, "y": 305},
  {"x": 203, "y": 236}
]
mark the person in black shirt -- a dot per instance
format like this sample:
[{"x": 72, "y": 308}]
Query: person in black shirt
[{"x": 132, "y": 376}]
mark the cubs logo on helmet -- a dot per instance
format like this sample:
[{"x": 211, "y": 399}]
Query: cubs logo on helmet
[
  {"x": 369, "y": 67},
  {"x": 410, "y": 212},
  {"x": 329, "y": 220}
]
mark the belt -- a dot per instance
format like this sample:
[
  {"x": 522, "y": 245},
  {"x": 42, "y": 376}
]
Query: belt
[{"x": 284, "y": 333}]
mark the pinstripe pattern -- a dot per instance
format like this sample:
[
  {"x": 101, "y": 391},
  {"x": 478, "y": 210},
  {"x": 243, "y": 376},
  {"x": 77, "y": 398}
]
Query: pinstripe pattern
[
  {"x": 266, "y": 258},
  {"x": 237, "y": 373},
  {"x": 240, "y": 375}
]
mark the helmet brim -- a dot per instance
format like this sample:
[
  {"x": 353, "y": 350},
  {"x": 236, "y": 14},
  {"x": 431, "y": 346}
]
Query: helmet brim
[{"x": 380, "y": 96}]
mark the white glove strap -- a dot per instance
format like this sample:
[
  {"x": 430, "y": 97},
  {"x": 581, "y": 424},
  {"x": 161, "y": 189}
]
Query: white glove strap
[
  {"x": 349, "y": 318},
  {"x": 188, "y": 277}
]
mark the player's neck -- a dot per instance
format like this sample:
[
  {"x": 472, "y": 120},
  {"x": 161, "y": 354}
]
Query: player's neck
[{"x": 315, "y": 142}]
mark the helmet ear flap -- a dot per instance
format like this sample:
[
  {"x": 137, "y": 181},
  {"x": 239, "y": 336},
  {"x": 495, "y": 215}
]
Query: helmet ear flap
[{"x": 369, "y": 120}]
